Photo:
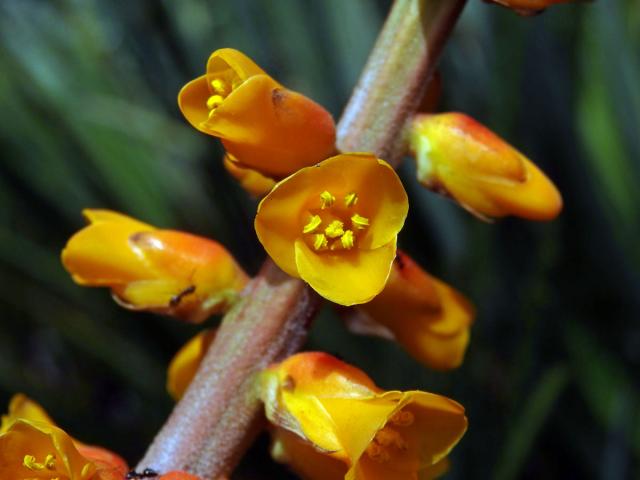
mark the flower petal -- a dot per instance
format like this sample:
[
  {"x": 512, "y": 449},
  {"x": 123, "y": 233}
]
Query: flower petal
[{"x": 347, "y": 278}]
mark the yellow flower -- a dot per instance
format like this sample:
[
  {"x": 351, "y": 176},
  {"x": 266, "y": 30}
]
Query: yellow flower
[
  {"x": 185, "y": 363},
  {"x": 426, "y": 316},
  {"x": 352, "y": 429},
  {"x": 252, "y": 181},
  {"x": 33, "y": 447},
  {"x": 461, "y": 158},
  {"x": 262, "y": 124},
  {"x": 163, "y": 271},
  {"x": 335, "y": 225}
]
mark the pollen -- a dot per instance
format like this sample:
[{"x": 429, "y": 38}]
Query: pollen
[
  {"x": 359, "y": 222},
  {"x": 347, "y": 239},
  {"x": 320, "y": 241},
  {"x": 314, "y": 223},
  {"x": 214, "y": 101},
  {"x": 30, "y": 462},
  {"x": 326, "y": 199},
  {"x": 335, "y": 229},
  {"x": 378, "y": 453},
  {"x": 220, "y": 87},
  {"x": 403, "y": 419},
  {"x": 351, "y": 199}
]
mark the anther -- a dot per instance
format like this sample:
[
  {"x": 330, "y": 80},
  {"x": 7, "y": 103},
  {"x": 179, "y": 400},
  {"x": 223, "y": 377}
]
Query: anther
[
  {"x": 220, "y": 87},
  {"x": 351, "y": 199},
  {"x": 29, "y": 461},
  {"x": 359, "y": 222},
  {"x": 335, "y": 229},
  {"x": 50, "y": 462},
  {"x": 314, "y": 223},
  {"x": 377, "y": 452},
  {"x": 347, "y": 239},
  {"x": 214, "y": 101},
  {"x": 402, "y": 418},
  {"x": 327, "y": 199},
  {"x": 319, "y": 241},
  {"x": 388, "y": 437}
]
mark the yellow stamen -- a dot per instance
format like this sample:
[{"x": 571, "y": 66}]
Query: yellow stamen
[
  {"x": 29, "y": 461},
  {"x": 402, "y": 418},
  {"x": 335, "y": 229},
  {"x": 347, "y": 239},
  {"x": 220, "y": 87},
  {"x": 327, "y": 199},
  {"x": 359, "y": 222},
  {"x": 214, "y": 101},
  {"x": 351, "y": 199},
  {"x": 50, "y": 462},
  {"x": 314, "y": 223},
  {"x": 388, "y": 437},
  {"x": 377, "y": 453},
  {"x": 319, "y": 241},
  {"x": 87, "y": 471}
]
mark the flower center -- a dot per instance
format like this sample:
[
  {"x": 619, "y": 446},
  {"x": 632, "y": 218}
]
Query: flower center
[
  {"x": 49, "y": 463},
  {"x": 335, "y": 225},
  {"x": 389, "y": 440},
  {"x": 220, "y": 90}
]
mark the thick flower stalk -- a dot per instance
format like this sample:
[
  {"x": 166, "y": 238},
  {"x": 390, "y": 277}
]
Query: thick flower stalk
[
  {"x": 33, "y": 447},
  {"x": 164, "y": 271},
  {"x": 335, "y": 225},
  {"x": 427, "y": 317},
  {"x": 461, "y": 158},
  {"x": 261, "y": 124},
  {"x": 358, "y": 431}
]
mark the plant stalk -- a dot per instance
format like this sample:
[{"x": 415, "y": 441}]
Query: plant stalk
[{"x": 220, "y": 414}]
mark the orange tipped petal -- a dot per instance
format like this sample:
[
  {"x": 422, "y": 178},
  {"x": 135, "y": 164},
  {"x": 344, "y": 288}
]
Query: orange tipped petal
[
  {"x": 164, "y": 271},
  {"x": 426, "y": 316},
  {"x": 461, "y": 158},
  {"x": 264, "y": 126}
]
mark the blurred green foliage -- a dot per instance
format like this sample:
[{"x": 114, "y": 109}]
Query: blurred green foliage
[{"x": 89, "y": 119}]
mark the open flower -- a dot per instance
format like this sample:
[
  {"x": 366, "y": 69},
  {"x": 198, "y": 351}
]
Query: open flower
[
  {"x": 262, "y": 124},
  {"x": 185, "y": 363},
  {"x": 335, "y": 225},
  {"x": 426, "y": 316},
  {"x": 33, "y": 447},
  {"x": 320, "y": 404},
  {"x": 459, "y": 157},
  {"x": 163, "y": 271}
]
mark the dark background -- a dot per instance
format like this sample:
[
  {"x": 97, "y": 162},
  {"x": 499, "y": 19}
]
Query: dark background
[{"x": 88, "y": 118}]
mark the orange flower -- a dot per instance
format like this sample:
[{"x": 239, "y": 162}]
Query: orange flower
[
  {"x": 262, "y": 124},
  {"x": 426, "y": 316},
  {"x": 461, "y": 158},
  {"x": 335, "y": 225},
  {"x": 528, "y": 7},
  {"x": 330, "y": 417},
  {"x": 177, "y": 475},
  {"x": 32, "y": 446},
  {"x": 251, "y": 180},
  {"x": 185, "y": 363},
  {"x": 163, "y": 271}
]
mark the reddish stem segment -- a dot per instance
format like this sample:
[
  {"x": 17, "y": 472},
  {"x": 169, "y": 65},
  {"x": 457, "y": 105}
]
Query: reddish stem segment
[
  {"x": 396, "y": 77},
  {"x": 219, "y": 415}
]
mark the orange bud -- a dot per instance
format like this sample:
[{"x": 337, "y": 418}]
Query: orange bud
[
  {"x": 251, "y": 180},
  {"x": 163, "y": 271},
  {"x": 461, "y": 158},
  {"x": 265, "y": 126},
  {"x": 426, "y": 316},
  {"x": 185, "y": 363},
  {"x": 527, "y": 7}
]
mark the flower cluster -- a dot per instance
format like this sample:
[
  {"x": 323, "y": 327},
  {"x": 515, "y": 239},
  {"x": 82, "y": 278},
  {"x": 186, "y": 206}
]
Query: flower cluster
[{"x": 331, "y": 219}]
